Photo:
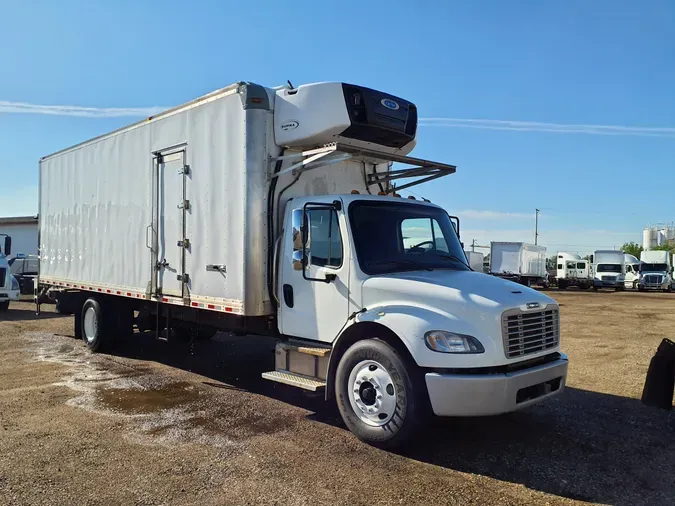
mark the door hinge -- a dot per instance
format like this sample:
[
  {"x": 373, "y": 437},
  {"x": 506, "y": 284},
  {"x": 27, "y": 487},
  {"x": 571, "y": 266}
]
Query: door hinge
[
  {"x": 161, "y": 264},
  {"x": 185, "y": 170},
  {"x": 183, "y": 277},
  {"x": 185, "y": 243},
  {"x": 185, "y": 205}
]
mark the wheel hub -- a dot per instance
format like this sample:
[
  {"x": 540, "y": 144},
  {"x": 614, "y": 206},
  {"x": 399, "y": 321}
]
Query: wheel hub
[
  {"x": 90, "y": 324},
  {"x": 373, "y": 395}
]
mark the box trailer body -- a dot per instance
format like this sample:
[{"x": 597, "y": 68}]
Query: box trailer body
[
  {"x": 271, "y": 211},
  {"x": 520, "y": 261},
  {"x": 475, "y": 259},
  {"x": 656, "y": 271},
  {"x": 608, "y": 269}
]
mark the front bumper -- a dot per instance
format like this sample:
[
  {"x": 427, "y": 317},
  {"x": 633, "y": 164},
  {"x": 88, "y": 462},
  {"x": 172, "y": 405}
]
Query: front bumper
[
  {"x": 493, "y": 394},
  {"x": 9, "y": 295},
  {"x": 613, "y": 283}
]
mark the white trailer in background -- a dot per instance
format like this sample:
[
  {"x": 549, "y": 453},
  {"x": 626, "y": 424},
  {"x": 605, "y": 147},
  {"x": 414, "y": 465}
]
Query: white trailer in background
[
  {"x": 475, "y": 259},
  {"x": 632, "y": 266},
  {"x": 655, "y": 271},
  {"x": 270, "y": 212},
  {"x": 572, "y": 270},
  {"x": 9, "y": 286},
  {"x": 519, "y": 261},
  {"x": 608, "y": 269}
]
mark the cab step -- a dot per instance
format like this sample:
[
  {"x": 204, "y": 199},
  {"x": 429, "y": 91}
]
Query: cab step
[
  {"x": 295, "y": 380},
  {"x": 300, "y": 364}
]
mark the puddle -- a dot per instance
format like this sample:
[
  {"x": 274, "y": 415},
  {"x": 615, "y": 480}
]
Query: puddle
[{"x": 134, "y": 402}]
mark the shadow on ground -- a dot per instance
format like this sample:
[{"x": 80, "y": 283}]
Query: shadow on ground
[
  {"x": 22, "y": 314},
  {"x": 584, "y": 445}
]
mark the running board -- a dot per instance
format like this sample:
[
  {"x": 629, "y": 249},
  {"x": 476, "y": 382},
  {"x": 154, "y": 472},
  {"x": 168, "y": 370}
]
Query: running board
[
  {"x": 301, "y": 364},
  {"x": 295, "y": 380}
]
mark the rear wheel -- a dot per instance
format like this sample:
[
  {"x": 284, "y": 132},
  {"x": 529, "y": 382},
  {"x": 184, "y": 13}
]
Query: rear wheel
[
  {"x": 381, "y": 400},
  {"x": 96, "y": 326}
]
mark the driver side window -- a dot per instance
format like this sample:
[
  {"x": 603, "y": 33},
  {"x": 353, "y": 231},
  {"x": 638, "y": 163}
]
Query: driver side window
[{"x": 422, "y": 234}]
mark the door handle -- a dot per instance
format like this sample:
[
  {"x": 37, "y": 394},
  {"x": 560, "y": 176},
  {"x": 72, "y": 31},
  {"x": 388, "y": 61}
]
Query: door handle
[{"x": 147, "y": 241}]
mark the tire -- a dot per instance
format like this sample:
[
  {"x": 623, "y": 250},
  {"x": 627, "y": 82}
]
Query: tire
[
  {"x": 635, "y": 285},
  {"x": 595, "y": 288},
  {"x": 562, "y": 285},
  {"x": 4, "y": 306},
  {"x": 96, "y": 326},
  {"x": 404, "y": 407}
]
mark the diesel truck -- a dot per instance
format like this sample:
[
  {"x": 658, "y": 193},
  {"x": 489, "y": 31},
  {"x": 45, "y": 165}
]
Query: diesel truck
[{"x": 277, "y": 212}]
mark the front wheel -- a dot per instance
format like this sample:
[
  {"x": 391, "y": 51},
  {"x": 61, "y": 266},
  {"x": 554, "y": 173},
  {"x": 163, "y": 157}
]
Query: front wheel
[
  {"x": 381, "y": 399},
  {"x": 4, "y": 306}
]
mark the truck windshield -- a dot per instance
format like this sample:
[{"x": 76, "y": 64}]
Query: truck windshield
[
  {"x": 609, "y": 268},
  {"x": 653, "y": 267},
  {"x": 394, "y": 237}
]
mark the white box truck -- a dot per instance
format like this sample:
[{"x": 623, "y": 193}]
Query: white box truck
[
  {"x": 475, "y": 259},
  {"x": 519, "y": 261},
  {"x": 608, "y": 269},
  {"x": 632, "y": 268},
  {"x": 9, "y": 285},
  {"x": 655, "y": 271},
  {"x": 271, "y": 212},
  {"x": 572, "y": 270}
]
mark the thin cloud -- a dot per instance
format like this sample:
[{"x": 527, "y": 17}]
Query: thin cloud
[
  {"x": 78, "y": 111},
  {"x": 494, "y": 215},
  {"x": 534, "y": 126}
]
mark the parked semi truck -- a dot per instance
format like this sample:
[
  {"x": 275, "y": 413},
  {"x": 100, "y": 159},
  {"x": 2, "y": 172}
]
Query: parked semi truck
[
  {"x": 519, "y": 261},
  {"x": 264, "y": 211},
  {"x": 655, "y": 271},
  {"x": 572, "y": 270},
  {"x": 608, "y": 269},
  {"x": 9, "y": 286},
  {"x": 632, "y": 267}
]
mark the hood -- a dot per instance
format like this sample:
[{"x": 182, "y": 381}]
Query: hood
[{"x": 482, "y": 290}]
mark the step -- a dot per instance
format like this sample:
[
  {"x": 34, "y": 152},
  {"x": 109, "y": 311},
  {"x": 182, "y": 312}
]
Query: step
[
  {"x": 301, "y": 347},
  {"x": 294, "y": 380}
]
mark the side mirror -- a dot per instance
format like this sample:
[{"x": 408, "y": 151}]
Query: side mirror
[
  {"x": 8, "y": 246},
  {"x": 301, "y": 240},
  {"x": 455, "y": 223}
]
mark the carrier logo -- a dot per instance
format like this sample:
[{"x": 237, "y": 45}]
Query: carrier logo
[
  {"x": 533, "y": 305},
  {"x": 289, "y": 125},
  {"x": 389, "y": 104}
]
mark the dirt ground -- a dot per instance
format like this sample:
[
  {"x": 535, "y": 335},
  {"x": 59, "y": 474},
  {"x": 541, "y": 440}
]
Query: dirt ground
[{"x": 155, "y": 424}]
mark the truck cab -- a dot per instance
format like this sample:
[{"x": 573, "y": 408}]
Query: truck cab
[
  {"x": 609, "y": 270},
  {"x": 9, "y": 286},
  {"x": 655, "y": 271}
]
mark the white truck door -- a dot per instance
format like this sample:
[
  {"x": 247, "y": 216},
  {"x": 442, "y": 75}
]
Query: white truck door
[
  {"x": 170, "y": 215},
  {"x": 314, "y": 293}
]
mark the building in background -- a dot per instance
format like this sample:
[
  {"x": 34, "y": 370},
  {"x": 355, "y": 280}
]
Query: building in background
[
  {"x": 657, "y": 235},
  {"x": 24, "y": 233}
]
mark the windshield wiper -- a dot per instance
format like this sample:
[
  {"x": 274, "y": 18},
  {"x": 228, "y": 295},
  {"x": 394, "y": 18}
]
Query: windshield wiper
[{"x": 450, "y": 256}]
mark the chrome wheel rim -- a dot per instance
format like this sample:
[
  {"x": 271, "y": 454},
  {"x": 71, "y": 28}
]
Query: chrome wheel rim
[
  {"x": 372, "y": 393},
  {"x": 90, "y": 324}
]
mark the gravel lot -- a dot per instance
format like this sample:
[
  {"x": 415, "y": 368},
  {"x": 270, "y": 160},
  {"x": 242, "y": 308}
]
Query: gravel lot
[{"x": 156, "y": 424}]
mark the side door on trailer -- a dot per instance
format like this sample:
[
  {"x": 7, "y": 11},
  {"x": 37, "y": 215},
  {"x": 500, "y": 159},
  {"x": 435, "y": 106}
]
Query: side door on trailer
[{"x": 171, "y": 210}]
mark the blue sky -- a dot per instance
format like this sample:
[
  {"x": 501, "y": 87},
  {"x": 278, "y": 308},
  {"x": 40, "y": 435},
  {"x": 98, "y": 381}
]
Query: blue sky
[{"x": 607, "y": 63}]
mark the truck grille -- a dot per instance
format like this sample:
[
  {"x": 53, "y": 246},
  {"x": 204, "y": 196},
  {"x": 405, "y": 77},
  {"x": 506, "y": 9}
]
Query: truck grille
[
  {"x": 3, "y": 275},
  {"x": 653, "y": 279},
  {"x": 608, "y": 278},
  {"x": 529, "y": 332}
]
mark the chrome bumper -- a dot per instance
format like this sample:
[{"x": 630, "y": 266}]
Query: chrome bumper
[{"x": 492, "y": 394}]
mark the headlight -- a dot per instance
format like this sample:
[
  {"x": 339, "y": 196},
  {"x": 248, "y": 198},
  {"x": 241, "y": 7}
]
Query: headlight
[
  {"x": 449, "y": 342},
  {"x": 15, "y": 284}
]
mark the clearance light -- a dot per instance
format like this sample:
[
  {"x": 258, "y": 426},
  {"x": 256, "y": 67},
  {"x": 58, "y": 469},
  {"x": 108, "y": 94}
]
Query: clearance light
[{"x": 356, "y": 192}]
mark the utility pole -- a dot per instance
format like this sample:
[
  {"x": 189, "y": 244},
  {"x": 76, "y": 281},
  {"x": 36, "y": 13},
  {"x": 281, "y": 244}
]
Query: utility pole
[
  {"x": 473, "y": 245},
  {"x": 536, "y": 225}
]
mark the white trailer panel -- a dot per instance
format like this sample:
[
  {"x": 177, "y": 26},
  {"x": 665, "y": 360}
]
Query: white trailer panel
[{"x": 517, "y": 258}]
